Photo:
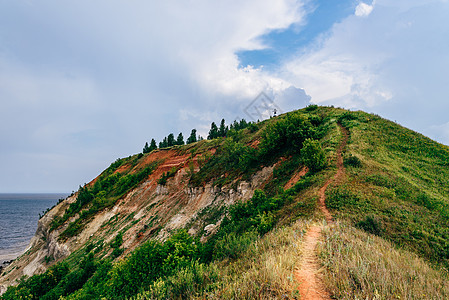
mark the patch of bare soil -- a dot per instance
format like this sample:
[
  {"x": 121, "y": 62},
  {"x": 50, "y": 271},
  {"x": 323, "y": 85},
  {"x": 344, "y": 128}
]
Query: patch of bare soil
[
  {"x": 310, "y": 284},
  {"x": 296, "y": 178}
]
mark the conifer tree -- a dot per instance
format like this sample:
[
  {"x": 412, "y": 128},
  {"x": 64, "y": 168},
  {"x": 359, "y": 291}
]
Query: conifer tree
[
  {"x": 180, "y": 139},
  {"x": 146, "y": 148},
  {"x": 153, "y": 145},
  {"x": 213, "y": 132},
  {"x": 192, "y": 137},
  {"x": 170, "y": 140},
  {"x": 223, "y": 129},
  {"x": 164, "y": 143}
]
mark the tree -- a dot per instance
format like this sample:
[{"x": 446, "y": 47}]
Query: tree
[
  {"x": 164, "y": 143},
  {"x": 223, "y": 129},
  {"x": 153, "y": 145},
  {"x": 192, "y": 137},
  {"x": 213, "y": 132},
  {"x": 146, "y": 148},
  {"x": 180, "y": 139},
  {"x": 170, "y": 140},
  {"x": 236, "y": 125}
]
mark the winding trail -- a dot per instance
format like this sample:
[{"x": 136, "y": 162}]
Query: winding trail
[{"x": 310, "y": 284}]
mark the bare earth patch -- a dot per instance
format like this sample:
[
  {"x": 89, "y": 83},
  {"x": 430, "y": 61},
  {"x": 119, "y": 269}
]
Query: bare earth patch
[
  {"x": 296, "y": 178},
  {"x": 310, "y": 284}
]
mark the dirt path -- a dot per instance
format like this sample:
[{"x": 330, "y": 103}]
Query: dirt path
[{"x": 310, "y": 285}]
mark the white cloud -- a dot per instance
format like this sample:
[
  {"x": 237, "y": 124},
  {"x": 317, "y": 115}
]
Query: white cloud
[
  {"x": 87, "y": 79},
  {"x": 394, "y": 62},
  {"x": 97, "y": 79},
  {"x": 363, "y": 9}
]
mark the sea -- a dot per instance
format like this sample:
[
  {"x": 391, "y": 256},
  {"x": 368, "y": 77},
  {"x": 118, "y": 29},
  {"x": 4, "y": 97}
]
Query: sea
[{"x": 19, "y": 214}]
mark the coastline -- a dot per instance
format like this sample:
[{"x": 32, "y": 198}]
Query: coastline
[
  {"x": 19, "y": 215},
  {"x": 9, "y": 255}
]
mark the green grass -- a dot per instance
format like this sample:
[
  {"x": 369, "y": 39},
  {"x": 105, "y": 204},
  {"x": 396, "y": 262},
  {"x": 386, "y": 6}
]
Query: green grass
[{"x": 401, "y": 180}]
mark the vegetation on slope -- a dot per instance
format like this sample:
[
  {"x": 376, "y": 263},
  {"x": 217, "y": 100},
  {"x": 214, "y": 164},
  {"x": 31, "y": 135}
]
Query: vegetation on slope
[
  {"x": 110, "y": 186},
  {"x": 395, "y": 188},
  {"x": 235, "y": 158}
]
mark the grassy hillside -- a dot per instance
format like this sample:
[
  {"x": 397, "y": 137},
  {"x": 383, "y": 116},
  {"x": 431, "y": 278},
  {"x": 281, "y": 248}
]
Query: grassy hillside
[
  {"x": 397, "y": 186},
  {"x": 393, "y": 198}
]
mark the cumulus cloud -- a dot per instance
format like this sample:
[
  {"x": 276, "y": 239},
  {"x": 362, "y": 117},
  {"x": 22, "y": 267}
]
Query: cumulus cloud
[
  {"x": 392, "y": 61},
  {"x": 363, "y": 9},
  {"x": 82, "y": 82},
  {"x": 91, "y": 81}
]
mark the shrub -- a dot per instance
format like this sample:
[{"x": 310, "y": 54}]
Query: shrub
[
  {"x": 311, "y": 107},
  {"x": 264, "y": 222},
  {"x": 371, "y": 224},
  {"x": 166, "y": 175},
  {"x": 150, "y": 262},
  {"x": 286, "y": 134},
  {"x": 313, "y": 155},
  {"x": 426, "y": 201},
  {"x": 353, "y": 161}
]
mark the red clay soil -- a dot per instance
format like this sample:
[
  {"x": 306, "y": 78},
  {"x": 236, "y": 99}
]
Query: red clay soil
[
  {"x": 307, "y": 275},
  {"x": 296, "y": 178}
]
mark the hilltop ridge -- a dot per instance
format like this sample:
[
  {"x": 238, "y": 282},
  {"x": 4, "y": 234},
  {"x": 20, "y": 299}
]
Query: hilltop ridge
[{"x": 216, "y": 210}]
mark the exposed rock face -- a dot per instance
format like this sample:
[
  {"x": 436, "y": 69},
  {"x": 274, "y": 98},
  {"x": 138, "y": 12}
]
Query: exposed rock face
[
  {"x": 149, "y": 211},
  {"x": 43, "y": 245}
]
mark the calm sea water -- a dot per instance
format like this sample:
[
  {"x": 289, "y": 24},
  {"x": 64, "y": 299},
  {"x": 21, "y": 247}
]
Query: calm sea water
[{"x": 19, "y": 214}]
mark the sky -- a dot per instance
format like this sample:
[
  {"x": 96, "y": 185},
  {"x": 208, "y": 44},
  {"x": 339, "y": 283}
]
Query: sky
[{"x": 83, "y": 83}]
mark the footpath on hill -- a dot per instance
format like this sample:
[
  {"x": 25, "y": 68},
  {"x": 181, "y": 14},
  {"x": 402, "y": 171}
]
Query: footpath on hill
[{"x": 310, "y": 285}]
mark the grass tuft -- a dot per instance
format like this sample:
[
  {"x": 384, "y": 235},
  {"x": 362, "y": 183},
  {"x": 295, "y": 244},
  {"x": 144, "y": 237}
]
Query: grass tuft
[{"x": 359, "y": 265}]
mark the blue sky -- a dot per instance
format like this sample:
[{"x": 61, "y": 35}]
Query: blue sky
[
  {"x": 83, "y": 83},
  {"x": 282, "y": 44}
]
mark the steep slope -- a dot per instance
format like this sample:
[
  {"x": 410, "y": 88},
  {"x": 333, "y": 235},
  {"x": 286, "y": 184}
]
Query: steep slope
[
  {"x": 226, "y": 218},
  {"x": 149, "y": 210}
]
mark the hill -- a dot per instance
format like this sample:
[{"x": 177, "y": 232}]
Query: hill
[{"x": 363, "y": 199}]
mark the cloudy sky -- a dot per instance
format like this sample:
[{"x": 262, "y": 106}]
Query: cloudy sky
[{"x": 85, "y": 82}]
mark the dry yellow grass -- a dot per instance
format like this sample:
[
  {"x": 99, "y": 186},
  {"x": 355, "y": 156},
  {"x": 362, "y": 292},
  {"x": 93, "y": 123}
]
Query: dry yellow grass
[
  {"x": 264, "y": 271},
  {"x": 267, "y": 269},
  {"x": 362, "y": 266}
]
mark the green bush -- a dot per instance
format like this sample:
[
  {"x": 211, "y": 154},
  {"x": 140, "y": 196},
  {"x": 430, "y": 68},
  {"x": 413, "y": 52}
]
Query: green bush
[
  {"x": 352, "y": 161},
  {"x": 313, "y": 155},
  {"x": 37, "y": 286},
  {"x": 166, "y": 175},
  {"x": 150, "y": 262},
  {"x": 311, "y": 107},
  {"x": 424, "y": 200},
  {"x": 286, "y": 135},
  {"x": 371, "y": 224}
]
